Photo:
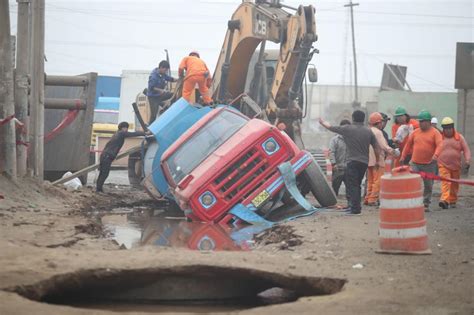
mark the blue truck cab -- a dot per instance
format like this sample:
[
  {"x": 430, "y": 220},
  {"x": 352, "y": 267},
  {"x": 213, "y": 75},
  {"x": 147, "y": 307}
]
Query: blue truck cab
[{"x": 166, "y": 130}]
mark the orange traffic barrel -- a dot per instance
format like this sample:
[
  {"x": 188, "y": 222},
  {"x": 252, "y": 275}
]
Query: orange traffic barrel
[{"x": 402, "y": 227}]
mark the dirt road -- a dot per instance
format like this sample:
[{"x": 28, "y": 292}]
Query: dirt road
[{"x": 47, "y": 231}]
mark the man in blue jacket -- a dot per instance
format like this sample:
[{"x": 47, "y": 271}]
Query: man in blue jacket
[{"x": 157, "y": 92}]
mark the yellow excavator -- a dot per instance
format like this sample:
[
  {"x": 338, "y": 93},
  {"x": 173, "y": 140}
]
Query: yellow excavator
[
  {"x": 268, "y": 82},
  {"x": 253, "y": 24}
]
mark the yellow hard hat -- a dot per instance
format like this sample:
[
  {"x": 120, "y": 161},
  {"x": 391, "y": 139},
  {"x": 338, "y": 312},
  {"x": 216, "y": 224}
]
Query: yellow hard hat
[{"x": 447, "y": 121}]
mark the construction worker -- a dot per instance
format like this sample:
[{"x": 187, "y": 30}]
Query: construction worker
[
  {"x": 375, "y": 169},
  {"x": 156, "y": 91},
  {"x": 338, "y": 158},
  {"x": 425, "y": 145},
  {"x": 358, "y": 138},
  {"x": 111, "y": 150},
  {"x": 434, "y": 124},
  {"x": 449, "y": 162},
  {"x": 402, "y": 127},
  {"x": 385, "y": 134},
  {"x": 196, "y": 73}
]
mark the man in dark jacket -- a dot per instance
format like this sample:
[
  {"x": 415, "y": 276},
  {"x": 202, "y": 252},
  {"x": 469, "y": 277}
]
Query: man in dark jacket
[
  {"x": 338, "y": 158},
  {"x": 157, "y": 92},
  {"x": 385, "y": 134},
  {"x": 358, "y": 139},
  {"x": 111, "y": 150}
]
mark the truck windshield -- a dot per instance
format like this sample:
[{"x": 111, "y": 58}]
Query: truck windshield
[{"x": 203, "y": 143}]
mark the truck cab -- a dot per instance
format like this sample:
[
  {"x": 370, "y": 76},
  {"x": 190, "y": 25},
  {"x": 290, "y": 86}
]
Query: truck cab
[{"x": 227, "y": 160}]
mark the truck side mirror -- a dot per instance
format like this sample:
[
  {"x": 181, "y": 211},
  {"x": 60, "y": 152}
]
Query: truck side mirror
[{"x": 313, "y": 75}]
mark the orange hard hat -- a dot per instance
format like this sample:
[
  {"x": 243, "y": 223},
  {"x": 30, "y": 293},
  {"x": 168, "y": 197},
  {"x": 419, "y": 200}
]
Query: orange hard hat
[
  {"x": 375, "y": 118},
  {"x": 194, "y": 53}
]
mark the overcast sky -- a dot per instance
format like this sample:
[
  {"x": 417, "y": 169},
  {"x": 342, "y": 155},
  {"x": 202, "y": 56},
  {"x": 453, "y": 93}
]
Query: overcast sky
[{"x": 108, "y": 36}]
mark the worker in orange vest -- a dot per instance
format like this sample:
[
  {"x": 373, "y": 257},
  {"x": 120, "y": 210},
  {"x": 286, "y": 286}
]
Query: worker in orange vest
[
  {"x": 376, "y": 170},
  {"x": 401, "y": 129},
  {"x": 196, "y": 73},
  {"x": 424, "y": 145},
  {"x": 449, "y": 162}
]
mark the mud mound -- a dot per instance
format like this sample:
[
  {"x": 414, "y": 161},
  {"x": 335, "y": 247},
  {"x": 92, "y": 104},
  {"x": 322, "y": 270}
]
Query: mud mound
[
  {"x": 284, "y": 235},
  {"x": 30, "y": 192}
]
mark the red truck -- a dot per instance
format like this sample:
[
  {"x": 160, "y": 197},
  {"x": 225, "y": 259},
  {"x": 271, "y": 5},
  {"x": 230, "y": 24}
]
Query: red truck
[{"x": 227, "y": 162}]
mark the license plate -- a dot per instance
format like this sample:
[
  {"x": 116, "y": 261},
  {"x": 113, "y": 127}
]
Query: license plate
[{"x": 260, "y": 198}]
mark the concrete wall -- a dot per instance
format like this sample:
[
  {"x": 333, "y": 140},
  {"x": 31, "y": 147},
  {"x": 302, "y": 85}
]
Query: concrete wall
[
  {"x": 439, "y": 104},
  {"x": 333, "y": 103},
  {"x": 465, "y": 118}
]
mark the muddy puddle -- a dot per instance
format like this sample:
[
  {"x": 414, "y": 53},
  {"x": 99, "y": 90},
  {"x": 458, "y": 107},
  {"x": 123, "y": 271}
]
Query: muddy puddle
[{"x": 135, "y": 228}]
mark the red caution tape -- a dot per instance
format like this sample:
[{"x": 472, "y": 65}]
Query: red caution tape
[
  {"x": 67, "y": 120},
  {"x": 19, "y": 142},
  {"x": 440, "y": 178},
  {"x": 6, "y": 120}
]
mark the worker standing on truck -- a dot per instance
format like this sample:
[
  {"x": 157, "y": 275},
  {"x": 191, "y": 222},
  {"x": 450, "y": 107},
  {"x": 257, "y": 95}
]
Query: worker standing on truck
[
  {"x": 401, "y": 129},
  {"x": 424, "y": 145},
  {"x": 111, "y": 150},
  {"x": 338, "y": 158},
  {"x": 449, "y": 162},
  {"x": 376, "y": 170},
  {"x": 358, "y": 138},
  {"x": 196, "y": 73},
  {"x": 156, "y": 91}
]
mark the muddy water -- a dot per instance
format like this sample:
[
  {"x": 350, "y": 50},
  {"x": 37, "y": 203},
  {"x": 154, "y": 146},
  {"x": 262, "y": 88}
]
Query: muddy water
[{"x": 138, "y": 228}]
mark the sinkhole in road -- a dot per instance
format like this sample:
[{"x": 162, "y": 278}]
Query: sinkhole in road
[{"x": 192, "y": 288}]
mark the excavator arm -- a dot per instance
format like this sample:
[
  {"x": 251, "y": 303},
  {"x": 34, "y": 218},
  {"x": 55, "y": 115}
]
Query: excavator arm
[{"x": 253, "y": 24}]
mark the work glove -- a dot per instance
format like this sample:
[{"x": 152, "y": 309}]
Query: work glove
[{"x": 396, "y": 152}]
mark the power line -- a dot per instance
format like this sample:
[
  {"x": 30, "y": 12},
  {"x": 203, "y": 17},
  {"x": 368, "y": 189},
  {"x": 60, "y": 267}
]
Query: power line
[{"x": 411, "y": 73}]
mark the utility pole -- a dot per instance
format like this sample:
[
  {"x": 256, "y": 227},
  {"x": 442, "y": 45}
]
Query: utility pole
[
  {"x": 21, "y": 83},
  {"x": 7, "y": 107},
  {"x": 351, "y": 5},
  {"x": 35, "y": 160}
]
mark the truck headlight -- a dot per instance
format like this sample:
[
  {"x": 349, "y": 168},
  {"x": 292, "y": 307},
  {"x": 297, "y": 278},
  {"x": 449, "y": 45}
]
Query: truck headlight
[
  {"x": 207, "y": 199},
  {"x": 270, "y": 146}
]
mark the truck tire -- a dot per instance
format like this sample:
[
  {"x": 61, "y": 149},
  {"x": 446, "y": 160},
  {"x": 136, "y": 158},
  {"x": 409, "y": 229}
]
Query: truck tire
[
  {"x": 133, "y": 178},
  {"x": 319, "y": 186}
]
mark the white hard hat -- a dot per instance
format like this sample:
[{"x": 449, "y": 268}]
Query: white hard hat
[{"x": 434, "y": 120}]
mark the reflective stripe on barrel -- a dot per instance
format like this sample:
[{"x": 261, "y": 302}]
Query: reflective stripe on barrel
[{"x": 402, "y": 217}]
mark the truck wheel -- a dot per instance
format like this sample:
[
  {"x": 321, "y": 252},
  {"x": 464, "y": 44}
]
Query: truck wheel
[
  {"x": 319, "y": 186},
  {"x": 133, "y": 178}
]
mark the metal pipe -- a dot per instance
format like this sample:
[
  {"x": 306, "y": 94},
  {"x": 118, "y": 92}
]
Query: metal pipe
[
  {"x": 63, "y": 80},
  {"x": 255, "y": 85},
  {"x": 7, "y": 106},
  {"x": 64, "y": 103},
  {"x": 21, "y": 82},
  {"x": 303, "y": 61}
]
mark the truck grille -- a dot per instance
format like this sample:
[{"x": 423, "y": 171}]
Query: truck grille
[{"x": 237, "y": 177}]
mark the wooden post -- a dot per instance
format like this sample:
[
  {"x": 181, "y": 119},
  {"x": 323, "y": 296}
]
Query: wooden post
[
  {"x": 21, "y": 83},
  {"x": 35, "y": 160},
  {"x": 7, "y": 107}
]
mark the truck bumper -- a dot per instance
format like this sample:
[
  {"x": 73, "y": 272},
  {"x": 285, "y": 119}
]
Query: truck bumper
[{"x": 273, "y": 186}]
